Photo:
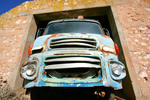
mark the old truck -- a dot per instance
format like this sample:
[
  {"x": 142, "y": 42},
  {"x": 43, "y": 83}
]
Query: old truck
[{"x": 73, "y": 53}]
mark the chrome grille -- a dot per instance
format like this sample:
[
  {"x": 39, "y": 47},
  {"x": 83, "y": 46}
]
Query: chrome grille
[
  {"x": 71, "y": 62},
  {"x": 72, "y": 66},
  {"x": 73, "y": 43}
]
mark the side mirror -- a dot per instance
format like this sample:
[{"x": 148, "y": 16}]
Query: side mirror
[
  {"x": 106, "y": 32},
  {"x": 40, "y": 32}
]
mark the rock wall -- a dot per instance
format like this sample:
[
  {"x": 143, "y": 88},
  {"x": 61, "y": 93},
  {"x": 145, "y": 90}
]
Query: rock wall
[
  {"x": 135, "y": 21},
  {"x": 134, "y": 18}
]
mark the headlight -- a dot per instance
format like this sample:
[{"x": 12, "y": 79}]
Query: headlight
[
  {"x": 117, "y": 69},
  {"x": 31, "y": 69},
  {"x": 108, "y": 49}
]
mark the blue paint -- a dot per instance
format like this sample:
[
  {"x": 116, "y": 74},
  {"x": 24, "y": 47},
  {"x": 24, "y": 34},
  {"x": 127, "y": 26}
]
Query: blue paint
[{"x": 106, "y": 78}]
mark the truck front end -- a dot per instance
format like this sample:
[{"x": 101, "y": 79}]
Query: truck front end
[{"x": 73, "y": 53}]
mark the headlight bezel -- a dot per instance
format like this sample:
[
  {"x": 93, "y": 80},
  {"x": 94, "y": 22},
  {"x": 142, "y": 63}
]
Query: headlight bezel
[
  {"x": 24, "y": 70},
  {"x": 117, "y": 76}
]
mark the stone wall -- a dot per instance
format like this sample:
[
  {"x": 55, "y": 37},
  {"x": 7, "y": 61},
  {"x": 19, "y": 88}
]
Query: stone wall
[
  {"x": 11, "y": 36},
  {"x": 134, "y": 18},
  {"x": 135, "y": 21}
]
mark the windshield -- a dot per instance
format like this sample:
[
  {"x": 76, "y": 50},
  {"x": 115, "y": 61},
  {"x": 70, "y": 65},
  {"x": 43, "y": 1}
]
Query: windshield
[{"x": 73, "y": 27}]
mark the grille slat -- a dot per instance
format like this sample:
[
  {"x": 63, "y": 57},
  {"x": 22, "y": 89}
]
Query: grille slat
[
  {"x": 72, "y": 62},
  {"x": 72, "y": 65},
  {"x": 73, "y": 40},
  {"x": 72, "y": 43},
  {"x": 72, "y": 59}
]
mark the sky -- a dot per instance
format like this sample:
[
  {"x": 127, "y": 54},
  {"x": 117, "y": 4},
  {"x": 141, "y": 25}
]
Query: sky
[{"x": 6, "y": 5}]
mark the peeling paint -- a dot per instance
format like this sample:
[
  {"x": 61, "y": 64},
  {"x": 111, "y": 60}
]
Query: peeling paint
[{"x": 87, "y": 66}]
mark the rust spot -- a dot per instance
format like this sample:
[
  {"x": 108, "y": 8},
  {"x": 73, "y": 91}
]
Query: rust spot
[
  {"x": 26, "y": 63},
  {"x": 23, "y": 67},
  {"x": 110, "y": 60},
  {"x": 103, "y": 94},
  {"x": 105, "y": 36},
  {"x": 61, "y": 35},
  {"x": 44, "y": 73},
  {"x": 96, "y": 77},
  {"x": 59, "y": 54},
  {"x": 34, "y": 58},
  {"x": 44, "y": 46},
  {"x": 57, "y": 35},
  {"x": 100, "y": 43},
  {"x": 35, "y": 79},
  {"x": 72, "y": 33},
  {"x": 105, "y": 53},
  {"x": 21, "y": 75},
  {"x": 84, "y": 33},
  {"x": 53, "y": 35},
  {"x": 119, "y": 98}
]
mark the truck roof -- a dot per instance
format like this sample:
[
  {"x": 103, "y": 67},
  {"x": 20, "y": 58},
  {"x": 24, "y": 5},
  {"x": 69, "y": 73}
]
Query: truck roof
[{"x": 74, "y": 20}]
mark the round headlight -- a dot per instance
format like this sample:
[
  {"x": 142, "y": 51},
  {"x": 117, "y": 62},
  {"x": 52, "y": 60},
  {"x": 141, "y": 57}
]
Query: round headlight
[
  {"x": 31, "y": 69},
  {"x": 117, "y": 69}
]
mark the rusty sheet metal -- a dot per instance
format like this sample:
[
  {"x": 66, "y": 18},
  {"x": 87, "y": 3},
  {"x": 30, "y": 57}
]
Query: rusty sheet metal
[
  {"x": 105, "y": 36},
  {"x": 77, "y": 58},
  {"x": 100, "y": 39},
  {"x": 43, "y": 80}
]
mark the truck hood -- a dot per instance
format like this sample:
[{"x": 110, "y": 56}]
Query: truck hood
[{"x": 102, "y": 39}]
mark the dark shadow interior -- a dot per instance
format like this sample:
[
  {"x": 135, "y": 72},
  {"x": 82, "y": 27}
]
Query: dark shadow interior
[{"x": 105, "y": 16}]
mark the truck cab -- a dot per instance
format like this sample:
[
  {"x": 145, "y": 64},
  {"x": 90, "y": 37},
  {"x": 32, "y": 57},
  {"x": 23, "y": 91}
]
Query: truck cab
[{"x": 73, "y": 53}]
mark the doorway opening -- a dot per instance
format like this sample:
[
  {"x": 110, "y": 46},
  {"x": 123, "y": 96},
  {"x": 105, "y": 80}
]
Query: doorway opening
[{"x": 103, "y": 14}]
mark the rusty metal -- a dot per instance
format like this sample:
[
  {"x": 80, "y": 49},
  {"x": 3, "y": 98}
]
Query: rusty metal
[
  {"x": 105, "y": 36},
  {"x": 89, "y": 65},
  {"x": 119, "y": 98},
  {"x": 25, "y": 63},
  {"x": 44, "y": 45},
  {"x": 84, "y": 33}
]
